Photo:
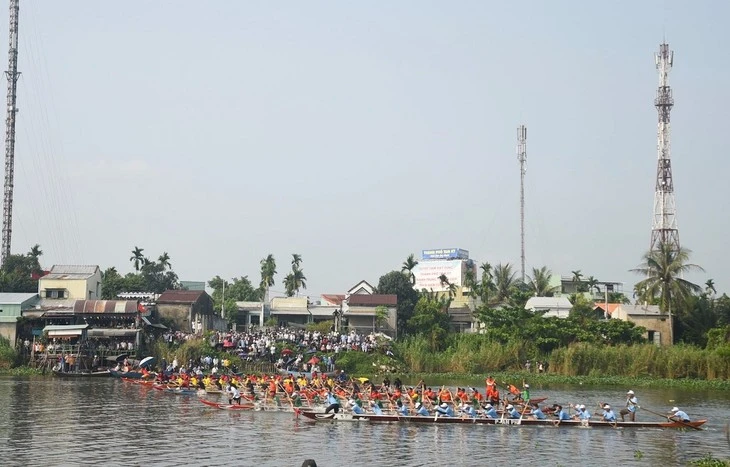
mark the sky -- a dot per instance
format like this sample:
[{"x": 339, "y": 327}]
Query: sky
[{"x": 357, "y": 133}]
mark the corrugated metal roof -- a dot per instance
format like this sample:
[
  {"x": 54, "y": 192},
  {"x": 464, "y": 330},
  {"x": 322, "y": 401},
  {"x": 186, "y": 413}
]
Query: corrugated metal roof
[
  {"x": 65, "y": 327},
  {"x": 62, "y": 271},
  {"x": 180, "y": 296},
  {"x": 16, "y": 298},
  {"x": 373, "y": 300},
  {"x": 105, "y": 306}
]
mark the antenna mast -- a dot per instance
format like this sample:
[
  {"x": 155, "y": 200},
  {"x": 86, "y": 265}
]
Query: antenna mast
[
  {"x": 664, "y": 225},
  {"x": 12, "y": 75},
  {"x": 522, "y": 158}
]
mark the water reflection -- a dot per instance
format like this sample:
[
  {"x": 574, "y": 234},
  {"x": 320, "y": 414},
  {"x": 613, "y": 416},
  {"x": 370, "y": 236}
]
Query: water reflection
[{"x": 50, "y": 421}]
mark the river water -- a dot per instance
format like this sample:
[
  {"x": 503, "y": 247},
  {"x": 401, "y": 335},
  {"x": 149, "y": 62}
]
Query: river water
[{"x": 54, "y": 421}]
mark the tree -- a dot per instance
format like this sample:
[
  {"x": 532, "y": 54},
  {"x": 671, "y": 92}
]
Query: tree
[
  {"x": 295, "y": 280},
  {"x": 240, "y": 289},
  {"x": 504, "y": 279},
  {"x": 20, "y": 273},
  {"x": 156, "y": 278},
  {"x": 470, "y": 281},
  {"x": 396, "y": 283},
  {"x": 408, "y": 265},
  {"x": 577, "y": 280},
  {"x": 112, "y": 283},
  {"x": 540, "y": 282},
  {"x": 137, "y": 257},
  {"x": 664, "y": 268},
  {"x": 164, "y": 261},
  {"x": 487, "y": 287},
  {"x": 381, "y": 316},
  {"x": 430, "y": 321},
  {"x": 710, "y": 287},
  {"x": 268, "y": 271},
  {"x": 591, "y": 284}
]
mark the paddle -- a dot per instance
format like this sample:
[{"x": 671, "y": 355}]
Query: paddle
[{"x": 670, "y": 418}]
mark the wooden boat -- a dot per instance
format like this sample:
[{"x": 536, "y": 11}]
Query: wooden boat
[
  {"x": 178, "y": 390},
  {"x": 82, "y": 374},
  {"x": 370, "y": 418},
  {"x": 142, "y": 382},
  {"x": 127, "y": 374},
  {"x": 221, "y": 406}
]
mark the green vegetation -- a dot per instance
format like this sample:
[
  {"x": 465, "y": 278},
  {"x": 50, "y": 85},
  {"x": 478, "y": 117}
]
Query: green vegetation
[
  {"x": 19, "y": 273},
  {"x": 149, "y": 276},
  {"x": 8, "y": 355},
  {"x": 709, "y": 461}
]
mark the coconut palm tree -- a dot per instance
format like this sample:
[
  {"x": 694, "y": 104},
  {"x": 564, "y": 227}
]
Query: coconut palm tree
[
  {"x": 592, "y": 283},
  {"x": 164, "y": 261},
  {"x": 540, "y": 282},
  {"x": 710, "y": 287},
  {"x": 137, "y": 258},
  {"x": 296, "y": 260},
  {"x": 487, "y": 287},
  {"x": 268, "y": 271},
  {"x": 35, "y": 251},
  {"x": 504, "y": 281},
  {"x": 577, "y": 280},
  {"x": 664, "y": 268},
  {"x": 408, "y": 265}
]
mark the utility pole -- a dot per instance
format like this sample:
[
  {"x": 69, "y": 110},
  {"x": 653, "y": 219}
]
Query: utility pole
[
  {"x": 664, "y": 224},
  {"x": 522, "y": 158},
  {"x": 12, "y": 75}
]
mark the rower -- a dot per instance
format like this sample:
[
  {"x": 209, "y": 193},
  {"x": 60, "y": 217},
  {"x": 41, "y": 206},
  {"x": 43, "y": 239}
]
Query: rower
[
  {"x": 333, "y": 403},
  {"x": 421, "y": 410},
  {"x": 678, "y": 415},
  {"x": 560, "y": 413},
  {"x": 356, "y": 409},
  {"x": 584, "y": 414},
  {"x": 512, "y": 412},
  {"x": 445, "y": 410},
  {"x": 376, "y": 408},
  {"x": 467, "y": 409},
  {"x": 401, "y": 408},
  {"x": 536, "y": 413},
  {"x": 489, "y": 411},
  {"x": 608, "y": 415}
]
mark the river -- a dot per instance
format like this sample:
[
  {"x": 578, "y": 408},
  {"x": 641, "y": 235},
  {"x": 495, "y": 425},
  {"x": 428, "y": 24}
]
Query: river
[{"x": 54, "y": 421}]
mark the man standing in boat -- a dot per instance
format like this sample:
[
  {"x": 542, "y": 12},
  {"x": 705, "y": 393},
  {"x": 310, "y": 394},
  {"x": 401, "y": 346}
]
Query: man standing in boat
[
  {"x": 333, "y": 405},
  {"x": 632, "y": 403}
]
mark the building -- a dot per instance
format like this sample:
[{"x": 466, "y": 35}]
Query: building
[
  {"x": 597, "y": 291},
  {"x": 72, "y": 282},
  {"x": 658, "y": 325},
  {"x": 454, "y": 264},
  {"x": 550, "y": 306},
  {"x": 299, "y": 311},
  {"x": 12, "y": 306},
  {"x": 189, "y": 311}
]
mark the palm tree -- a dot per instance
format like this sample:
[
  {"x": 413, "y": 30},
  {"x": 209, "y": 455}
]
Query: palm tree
[
  {"x": 408, "y": 265},
  {"x": 592, "y": 283},
  {"x": 710, "y": 287},
  {"x": 296, "y": 260},
  {"x": 540, "y": 282},
  {"x": 268, "y": 271},
  {"x": 164, "y": 261},
  {"x": 577, "y": 280},
  {"x": 663, "y": 268},
  {"x": 470, "y": 280},
  {"x": 487, "y": 286},
  {"x": 35, "y": 251},
  {"x": 505, "y": 281},
  {"x": 137, "y": 257}
]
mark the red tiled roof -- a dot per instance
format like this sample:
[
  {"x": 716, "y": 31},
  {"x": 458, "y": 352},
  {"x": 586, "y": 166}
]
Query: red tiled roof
[
  {"x": 611, "y": 307},
  {"x": 180, "y": 296},
  {"x": 335, "y": 299},
  {"x": 372, "y": 300}
]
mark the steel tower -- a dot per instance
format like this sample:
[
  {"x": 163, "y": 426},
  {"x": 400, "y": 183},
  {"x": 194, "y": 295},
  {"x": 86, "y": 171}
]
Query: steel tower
[
  {"x": 664, "y": 225},
  {"x": 12, "y": 75},
  {"x": 522, "y": 158}
]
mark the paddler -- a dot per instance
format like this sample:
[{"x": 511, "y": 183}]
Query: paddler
[
  {"x": 445, "y": 410},
  {"x": 332, "y": 403},
  {"x": 468, "y": 409},
  {"x": 489, "y": 411},
  {"x": 376, "y": 408},
  {"x": 355, "y": 407},
  {"x": 536, "y": 413},
  {"x": 632, "y": 403},
  {"x": 421, "y": 410},
  {"x": 401, "y": 408},
  {"x": 512, "y": 412},
  {"x": 608, "y": 415},
  {"x": 560, "y": 414},
  {"x": 678, "y": 415},
  {"x": 525, "y": 396}
]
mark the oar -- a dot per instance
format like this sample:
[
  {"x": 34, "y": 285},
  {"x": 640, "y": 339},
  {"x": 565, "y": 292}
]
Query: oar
[{"x": 670, "y": 418}]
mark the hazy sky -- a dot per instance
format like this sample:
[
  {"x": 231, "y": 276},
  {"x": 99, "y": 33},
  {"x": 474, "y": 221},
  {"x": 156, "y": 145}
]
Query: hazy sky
[{"x": 355, "y": 133}]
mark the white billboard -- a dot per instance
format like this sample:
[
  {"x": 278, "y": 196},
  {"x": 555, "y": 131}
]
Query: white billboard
[{"x": 428, "y": 272}]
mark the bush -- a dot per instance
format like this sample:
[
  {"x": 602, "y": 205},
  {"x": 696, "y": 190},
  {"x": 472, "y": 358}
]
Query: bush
[{"x": 8, "y": 355}]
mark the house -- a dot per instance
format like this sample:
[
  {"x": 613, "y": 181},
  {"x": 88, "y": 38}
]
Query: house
[
  {"x": 12, "y": 306},
  {"x": 658, "y": 325},
  {"x": 361, "y": 312},
  {"x": 550, "y": 306},
  {"x": 70, "y": 282},
  {"x": 299, "y": 311},
  {"x": 189, "y": 311}
]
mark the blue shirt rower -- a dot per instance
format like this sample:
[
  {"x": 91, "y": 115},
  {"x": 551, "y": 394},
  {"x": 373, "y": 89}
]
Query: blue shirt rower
[
  {"x": 468, "y": 410},
  {"x": 561, "y": 414},
  {"x": 376, "y": 408},
  {"x": 421, "y": 410},
  {"x": 679, "y": 415},
  {"x": 489, "y": 411},
  {"x": 512, "y": 412},
  {"x": 356, "y": 409},
  {"x": 537, "y": 413},
  {"x": 608, "y": 415},
  {"x": 584, "y": 413},
  {"x": 445, "y": 410},
  {"x": 402, "y": 409}
]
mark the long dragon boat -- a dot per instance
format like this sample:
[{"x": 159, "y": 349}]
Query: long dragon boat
[{"x": 371, "y": 418}]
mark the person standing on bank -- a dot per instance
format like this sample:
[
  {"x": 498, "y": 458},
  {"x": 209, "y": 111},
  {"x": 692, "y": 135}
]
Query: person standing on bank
[{"x": 632, "y": 403}]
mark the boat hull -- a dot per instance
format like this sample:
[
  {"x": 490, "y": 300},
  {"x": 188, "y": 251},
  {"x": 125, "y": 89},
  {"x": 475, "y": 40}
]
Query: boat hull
[
  {"x": 495, "y": 421},
  {"x": 89, "y": 374}
]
